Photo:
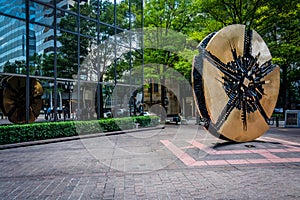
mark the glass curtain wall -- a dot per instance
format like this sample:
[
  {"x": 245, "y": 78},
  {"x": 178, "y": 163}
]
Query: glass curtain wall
[{"x": 69, "y": 59}]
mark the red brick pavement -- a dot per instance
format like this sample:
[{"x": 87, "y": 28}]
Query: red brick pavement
[
  {"x": 264, "y": 169},
  {"x": 267, "y": 153}
]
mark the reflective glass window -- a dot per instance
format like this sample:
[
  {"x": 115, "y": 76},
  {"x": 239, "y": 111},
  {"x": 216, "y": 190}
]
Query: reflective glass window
[
  {"x": 67, "y": 54},
  {"x": 41, "y": 60},
  {"x": 88, "y": 27},
  {"x": 13, "y": 45},
  {"x": 66, "y": 21},
  {"x": 42, "y": 14},
  {"x": 15, "y": 8}
]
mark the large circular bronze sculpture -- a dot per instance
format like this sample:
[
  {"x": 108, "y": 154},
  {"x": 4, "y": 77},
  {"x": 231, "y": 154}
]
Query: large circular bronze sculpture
[
  {"x": 235, "y": 84},
  {"x": 13, "y": 95}
]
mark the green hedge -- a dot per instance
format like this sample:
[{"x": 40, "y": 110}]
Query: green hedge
[{"x": 47, "y": 130}]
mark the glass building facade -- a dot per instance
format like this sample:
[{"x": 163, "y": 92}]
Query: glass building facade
[{"x": 80, "y": 52}]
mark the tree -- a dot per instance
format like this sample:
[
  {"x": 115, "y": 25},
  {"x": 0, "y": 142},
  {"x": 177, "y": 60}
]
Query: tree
[
  {"x": 280, "y": 28},
  {"x": 18, "y": 67},
  {"x": 226, "y": 12},
  {"x": 48, "y": 63},
  {"x": 169, "y": 19},
  {"x": 68, "y": 51},
  {"x": 103, "y": 51},
  {"x": 276, "y": 21},
  {"x": 36, "y": 63},
  {"x": 9, "y": 68},
  {"x": 163, "y": 43}
]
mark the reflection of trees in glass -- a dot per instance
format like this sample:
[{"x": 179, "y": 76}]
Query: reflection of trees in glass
[
  {"x": 68, "y": 52},
  {"x": 36, "y": 63},
  {"x": 48, "y": 66},
  {"x": 128, "y": 16},
  {"x": 104, "y": 11},
  {"x": 18, "y": 67}
]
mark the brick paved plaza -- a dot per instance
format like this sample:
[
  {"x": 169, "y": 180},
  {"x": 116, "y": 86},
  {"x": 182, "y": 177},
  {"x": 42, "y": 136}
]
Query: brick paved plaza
[{"x": 178, "y": 162}]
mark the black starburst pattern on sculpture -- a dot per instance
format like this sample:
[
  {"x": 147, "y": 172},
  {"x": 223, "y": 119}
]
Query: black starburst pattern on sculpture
[{"x": 242, "y": 81}]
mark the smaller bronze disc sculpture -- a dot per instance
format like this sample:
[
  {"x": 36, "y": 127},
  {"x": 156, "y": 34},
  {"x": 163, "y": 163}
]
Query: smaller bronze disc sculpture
[
  {"x": 235, "y": 84},
  {"x": 13, "y": 103}
]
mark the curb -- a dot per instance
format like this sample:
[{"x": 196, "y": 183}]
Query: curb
[{"x": 78, "y": 137}]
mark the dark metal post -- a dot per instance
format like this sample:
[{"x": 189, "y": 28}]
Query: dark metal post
[
  {"x": 98, "y": 101},
  {"x": 151, "y": 91},
  {"x": 78, "y": 61},
  {"x": 55, "y": 62},
  {"x": 115, "y": 41},
  {"x": 142, "y": 47},
  {"x": 70, "y": 107},
  {"x": 130, "y": 60},
  {"x": 99, "y": 98},
  {"x": 27, "y": 62},
  {"x": 69, "y": 87},
  {"x": 163, "y": 92},
  {"x": 115, "y": 51}
]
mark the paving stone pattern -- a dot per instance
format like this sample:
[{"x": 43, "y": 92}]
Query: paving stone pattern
[{"x": 129, "y": 168}]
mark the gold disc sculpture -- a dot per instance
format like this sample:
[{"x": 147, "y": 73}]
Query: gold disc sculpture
[
  {"x": 235, "y": 84},
  {"x": 13, "y": 103}
]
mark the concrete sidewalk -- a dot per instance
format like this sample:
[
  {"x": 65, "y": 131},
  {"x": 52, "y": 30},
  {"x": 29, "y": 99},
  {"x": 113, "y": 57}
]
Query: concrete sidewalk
[{"x": 178, "y": 162}]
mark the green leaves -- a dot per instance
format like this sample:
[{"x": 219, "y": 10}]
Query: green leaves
[{"x": 48, "y": 130}]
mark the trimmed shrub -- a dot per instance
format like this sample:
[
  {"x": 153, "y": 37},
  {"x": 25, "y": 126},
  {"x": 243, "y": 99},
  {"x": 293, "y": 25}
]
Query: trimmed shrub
[{"x": 47, "y": 130}]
